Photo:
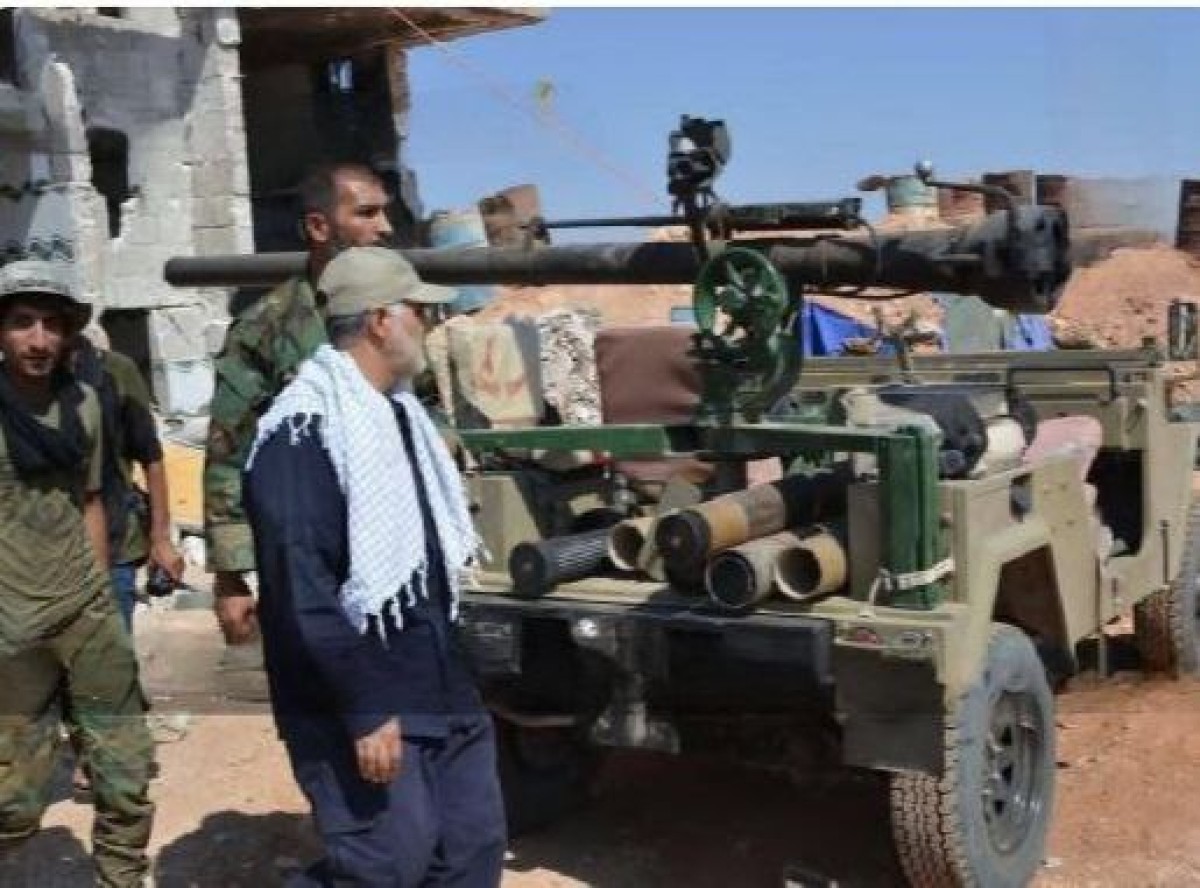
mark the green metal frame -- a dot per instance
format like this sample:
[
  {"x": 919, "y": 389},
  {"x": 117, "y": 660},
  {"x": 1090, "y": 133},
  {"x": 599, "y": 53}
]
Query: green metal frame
[{"x": 907, "y": 470}]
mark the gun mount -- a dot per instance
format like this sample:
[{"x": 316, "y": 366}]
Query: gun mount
[
  {"x": 1015, "y": 259},
  {"x": 748, "y": 290}
]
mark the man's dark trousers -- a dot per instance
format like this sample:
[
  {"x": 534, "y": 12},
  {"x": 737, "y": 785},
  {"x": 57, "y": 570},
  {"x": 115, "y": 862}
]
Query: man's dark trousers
[{"x": 439, "y": 823}]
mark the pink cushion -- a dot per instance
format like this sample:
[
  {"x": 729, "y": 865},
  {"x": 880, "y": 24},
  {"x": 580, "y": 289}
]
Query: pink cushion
[{"x": 1078, "y": 435}]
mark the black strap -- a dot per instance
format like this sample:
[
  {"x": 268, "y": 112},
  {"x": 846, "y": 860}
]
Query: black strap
[{"x": 34, "y": 447}]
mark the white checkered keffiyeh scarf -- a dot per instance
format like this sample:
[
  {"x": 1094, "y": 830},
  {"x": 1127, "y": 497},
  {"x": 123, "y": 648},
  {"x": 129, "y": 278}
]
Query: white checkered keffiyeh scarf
[{"x": 385, "y": 530}]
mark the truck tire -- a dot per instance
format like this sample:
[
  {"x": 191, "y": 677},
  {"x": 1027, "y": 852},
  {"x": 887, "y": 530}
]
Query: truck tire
[
  {"x": 545, "y": 773},
  {"x": 1166, "y": 624},
  {"x": 984, "y": 821}
]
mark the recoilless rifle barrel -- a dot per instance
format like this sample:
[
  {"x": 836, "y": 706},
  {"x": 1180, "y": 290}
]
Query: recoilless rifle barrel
[{"x": 1020, "y": 268}]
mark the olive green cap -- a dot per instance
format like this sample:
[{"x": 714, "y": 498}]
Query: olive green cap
[{"x": 363, "y": 278}]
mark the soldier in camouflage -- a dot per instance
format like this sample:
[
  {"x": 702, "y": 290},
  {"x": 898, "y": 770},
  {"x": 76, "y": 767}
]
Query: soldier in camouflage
[
  {"x": 61, "y": 637},
  {"x": 343, "y": 205}
]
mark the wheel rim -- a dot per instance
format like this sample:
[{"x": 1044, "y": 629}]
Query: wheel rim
[{"x": 1013, "y": 782}]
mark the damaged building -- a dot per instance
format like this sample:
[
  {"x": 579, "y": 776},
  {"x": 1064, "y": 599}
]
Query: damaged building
[{"x": 130, "y": 135}]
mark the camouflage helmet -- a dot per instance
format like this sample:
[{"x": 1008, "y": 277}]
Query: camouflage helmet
[{"x": 35, "y": 277}]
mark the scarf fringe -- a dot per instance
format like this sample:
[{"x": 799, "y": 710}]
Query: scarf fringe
[{"x": 364, "y": 444}]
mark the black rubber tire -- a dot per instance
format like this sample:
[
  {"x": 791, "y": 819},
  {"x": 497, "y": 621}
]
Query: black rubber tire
[
  {"x": 1166, "y": 624},
  {"x": 545, "y": 774},
  {"x": 956, "y": 830}
]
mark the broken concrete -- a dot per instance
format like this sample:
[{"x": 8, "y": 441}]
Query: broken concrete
[
  {"x": 123, "y": 142},
  {"x": 159, "y": 89}
]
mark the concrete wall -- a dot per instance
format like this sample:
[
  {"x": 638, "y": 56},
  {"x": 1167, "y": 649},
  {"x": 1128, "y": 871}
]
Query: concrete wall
[
  {"x": 1150, "y": 203},
  {"x": 168, "y": 80},
  {"x": 44, "y": 199},
  {"x": 167, "y": 86},
  {"x": 295, "y": 119}
]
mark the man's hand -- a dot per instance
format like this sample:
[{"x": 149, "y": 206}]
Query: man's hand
[
  {"x": 379, "y": 753},
  {"x": 164, "y": 554},
  {"x": 235, "y": 608}
]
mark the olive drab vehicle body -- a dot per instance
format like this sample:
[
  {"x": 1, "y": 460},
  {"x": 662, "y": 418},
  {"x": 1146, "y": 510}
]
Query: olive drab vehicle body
[{"x": 894, "y": 558}]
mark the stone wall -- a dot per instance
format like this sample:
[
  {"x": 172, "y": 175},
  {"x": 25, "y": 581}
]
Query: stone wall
[
  {"x": 125, "y": 138},
  {"x": 162, "y": 86},
  {"x": 296, "y": 116}
]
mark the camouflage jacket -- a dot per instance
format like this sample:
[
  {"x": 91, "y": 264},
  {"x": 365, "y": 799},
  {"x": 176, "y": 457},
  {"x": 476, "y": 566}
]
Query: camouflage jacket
[{"x": 264, "y": 347}]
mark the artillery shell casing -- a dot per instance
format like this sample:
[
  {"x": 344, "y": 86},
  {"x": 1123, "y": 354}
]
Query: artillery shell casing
[
  {"x": 631, "y": 547},
  {"x": 1006, "y": 443},
  {"x": 536, "y": 568},
  {"x": 627, "y": 539},
  {"x": 741, "y": 577},
  {"x": 695, "y": 534},
  {"x": 816, "y": 566}
]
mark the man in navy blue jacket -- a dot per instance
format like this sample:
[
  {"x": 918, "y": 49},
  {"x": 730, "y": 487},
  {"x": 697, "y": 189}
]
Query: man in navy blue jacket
[{"x": 361, "y": 534}]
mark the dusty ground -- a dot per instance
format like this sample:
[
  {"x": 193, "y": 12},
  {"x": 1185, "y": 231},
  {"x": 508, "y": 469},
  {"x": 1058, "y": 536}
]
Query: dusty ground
[{"x": 229, "y": 815}]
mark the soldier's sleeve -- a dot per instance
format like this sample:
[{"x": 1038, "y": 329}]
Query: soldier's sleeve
[{"x": 241, "y": 388}]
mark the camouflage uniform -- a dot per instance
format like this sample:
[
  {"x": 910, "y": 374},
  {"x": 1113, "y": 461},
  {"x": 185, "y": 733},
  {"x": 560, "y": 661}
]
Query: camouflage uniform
[
  {"x": 62, "y": 640},
  {"x": 263, "y": 349}
]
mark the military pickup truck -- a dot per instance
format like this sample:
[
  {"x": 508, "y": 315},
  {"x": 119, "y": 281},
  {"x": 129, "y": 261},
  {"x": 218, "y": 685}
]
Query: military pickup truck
[
  {"x": 894, "y": 558},
  {"x": 939, "y": 675}
]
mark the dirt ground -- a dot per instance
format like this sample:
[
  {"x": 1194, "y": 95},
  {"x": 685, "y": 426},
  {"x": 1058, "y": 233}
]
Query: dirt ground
[{"x": 229, "y": 814}]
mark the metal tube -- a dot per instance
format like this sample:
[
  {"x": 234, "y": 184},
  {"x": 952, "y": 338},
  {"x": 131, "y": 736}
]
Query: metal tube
[
  {"x": 258, "y": 270},
  {"x": 536, "y": 568},
  {"x": 688, "y": 538},
  {"x": 739, "y": 578},
  {"x": 1022, "y": 273},
  {"x": 615, "y": 222},
  {"x": 631, "y": 547},
  {"x": 637, "y": 263},
  {"x": 627, "y": 540},
  {"x": 816, "y": 566}
]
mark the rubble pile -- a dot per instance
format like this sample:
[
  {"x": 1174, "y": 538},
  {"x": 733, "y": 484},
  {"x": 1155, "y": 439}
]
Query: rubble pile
[
  {"x": 616, "y": 305},
  {"x": 1118, "y": 302},
  {"x": 568, "y": 361}
]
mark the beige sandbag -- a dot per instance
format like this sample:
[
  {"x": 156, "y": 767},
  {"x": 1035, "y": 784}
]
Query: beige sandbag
[{"x": 494, "y": 375}]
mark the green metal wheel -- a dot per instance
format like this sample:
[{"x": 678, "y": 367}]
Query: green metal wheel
[
  {"x": 743, "y": 294},
  {"x": 747, "y": 353}
]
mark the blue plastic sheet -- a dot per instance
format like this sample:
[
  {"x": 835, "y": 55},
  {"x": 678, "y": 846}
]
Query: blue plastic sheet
[{"x": 1028, "y": 332}]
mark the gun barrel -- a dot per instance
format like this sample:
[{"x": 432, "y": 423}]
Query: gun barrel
[
  {"x": 615, "y": 222},
  {"x": 1021, "y": 269}
]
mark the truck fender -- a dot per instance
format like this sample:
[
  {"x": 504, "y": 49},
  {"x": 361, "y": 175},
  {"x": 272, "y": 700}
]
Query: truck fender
[{"x": 967, "y": 649}]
